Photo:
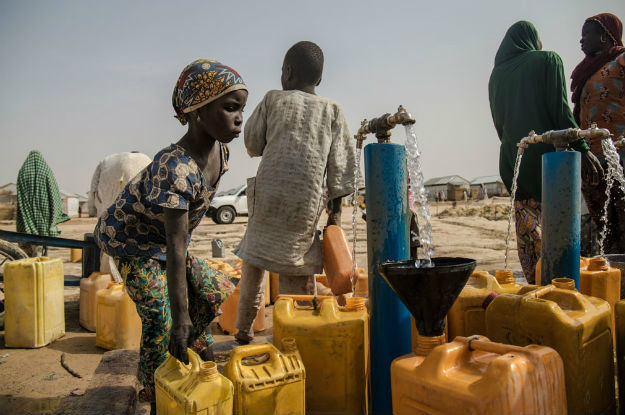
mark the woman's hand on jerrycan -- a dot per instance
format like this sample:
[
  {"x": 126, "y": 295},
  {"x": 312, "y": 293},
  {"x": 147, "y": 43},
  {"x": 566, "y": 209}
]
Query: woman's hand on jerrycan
[
  {"x": 592, "y": 172},
  {"x": 180, "y": 338}
]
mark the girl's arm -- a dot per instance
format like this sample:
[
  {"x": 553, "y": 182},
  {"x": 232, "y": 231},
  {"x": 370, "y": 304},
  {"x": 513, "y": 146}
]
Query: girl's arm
[{"x": 176, "y": 229}]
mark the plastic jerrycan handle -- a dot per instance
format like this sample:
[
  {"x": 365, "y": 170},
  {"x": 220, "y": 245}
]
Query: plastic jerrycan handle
[
  {"x": 239, "y": 353},
  {"x": 304, "y": 297},
  {"x": 475, "y": 343},
  {"x": 574, "y": 299}
]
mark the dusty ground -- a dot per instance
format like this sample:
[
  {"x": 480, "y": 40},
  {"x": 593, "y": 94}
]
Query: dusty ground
[{"x": 33, "y": 381}]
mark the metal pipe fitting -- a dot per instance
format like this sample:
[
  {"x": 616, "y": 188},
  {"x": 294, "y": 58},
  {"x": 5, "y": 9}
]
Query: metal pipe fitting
[
  {"x": 561, "y": 139},
  {"x": 382, "y": 125}
]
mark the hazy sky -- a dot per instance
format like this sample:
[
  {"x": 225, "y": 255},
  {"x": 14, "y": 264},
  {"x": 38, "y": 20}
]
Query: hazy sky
[{"x": 84, "y": 79}]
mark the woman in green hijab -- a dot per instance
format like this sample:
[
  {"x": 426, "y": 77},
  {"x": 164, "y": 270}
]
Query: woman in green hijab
[{"x": 527, "y": 91}]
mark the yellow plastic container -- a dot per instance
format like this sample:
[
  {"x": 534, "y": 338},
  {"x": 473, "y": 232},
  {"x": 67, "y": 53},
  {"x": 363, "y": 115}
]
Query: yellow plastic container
[
  {"x": 34, "y": 302},
  {"x": 194, "y": 389},
  {"x": 118, "y": 325},
  {"x": 75, "y": 255},
  {"x": 578, "y": 327},
  {"x": 333, "y": 342},
  {"x": 485, "y": 378},
  {"x": 600, "y": 280},
  {"x": 583, "y": 264},
  {"x": 88, "y": 304},
  {"x": 619, "y": 329},
  {"x": 267, "y": 381},
  {"x": 467, "y": 316}
]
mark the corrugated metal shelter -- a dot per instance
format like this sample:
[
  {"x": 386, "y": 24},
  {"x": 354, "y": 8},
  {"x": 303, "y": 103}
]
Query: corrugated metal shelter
[
  {"x": 493, "y": 184},
  {"x": 453, "y": 187}
]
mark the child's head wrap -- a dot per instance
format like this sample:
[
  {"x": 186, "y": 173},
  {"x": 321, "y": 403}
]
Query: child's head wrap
[{"x": 201, "y": 82}]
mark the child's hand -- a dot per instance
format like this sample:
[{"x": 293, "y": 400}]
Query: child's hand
[{"x": 180, "y": 338}]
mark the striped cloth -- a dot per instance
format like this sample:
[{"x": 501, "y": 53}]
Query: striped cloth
[{"x": 39, "y": 205}]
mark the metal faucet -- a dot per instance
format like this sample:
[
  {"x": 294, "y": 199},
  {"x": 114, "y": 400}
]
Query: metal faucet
[
  {"x": 561, "y": 139},
  {"x": 382, "y": 125}
]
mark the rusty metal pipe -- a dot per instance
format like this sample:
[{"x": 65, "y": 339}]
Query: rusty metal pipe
[{"x": 382, "y": 125}]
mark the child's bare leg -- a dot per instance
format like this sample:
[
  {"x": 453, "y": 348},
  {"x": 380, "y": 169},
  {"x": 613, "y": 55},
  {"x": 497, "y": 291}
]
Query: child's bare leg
[
  {"x": 297, "y": 284},
  {"x": 251, "y": 291}
]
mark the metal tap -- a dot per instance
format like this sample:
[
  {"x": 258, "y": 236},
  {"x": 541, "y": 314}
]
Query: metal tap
[
  {"x": 382, "y": 125},
  {"x": 561, "y": 139}
]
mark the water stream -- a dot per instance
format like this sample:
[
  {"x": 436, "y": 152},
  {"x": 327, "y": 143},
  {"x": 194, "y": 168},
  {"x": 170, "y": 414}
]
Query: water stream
[
  {"x": 419, "y": 197},
  {"x": 614, "y": 174},
  {"x": 354, "y": 277},
  {"x": 515, "y": 177}
]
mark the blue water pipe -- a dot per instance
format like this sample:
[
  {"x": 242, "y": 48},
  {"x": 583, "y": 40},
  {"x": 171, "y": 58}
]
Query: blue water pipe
[
  {"x": 387, "y": 239},
  {"x": 561, "y": 193}
]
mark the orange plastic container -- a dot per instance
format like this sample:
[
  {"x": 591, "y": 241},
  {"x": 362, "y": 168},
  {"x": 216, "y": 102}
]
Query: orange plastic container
[
  {"x": 88, "y": 304},
  {"x": 228, "y": 319},
  {"x": 467, "y": 316},
  {"x": 601, "y": 281},
  {"x": 362, "y": 285},
  {"x": 75, "y": 255},
  {"x": 619, "y": 328},
  {"x": 578, "y": 327},
  {"x": 479, "y": 378},
  {"x": 118, "y": 325},
  {"x": 337, "y": 260},
  {"x": 583, "y": 264}
]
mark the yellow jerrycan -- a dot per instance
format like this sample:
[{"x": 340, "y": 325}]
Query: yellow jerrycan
[
  {"x": 619, "y": 328},
  {"x": 197, "y": 388},
  {"x": 474, "y": 375},
  {"x": 578, "y": 327},
  {"x": 583, "y": 264},
  {"x": 334, "y": 343},
  {"x": 88, "y": 304},
  {"x": 267, "y": 381},
  {"x": 34, "y": 302},
  {"x": 118, "y": 325},
  {"x": 467, "y": 316},
  {"x": 600, "y": 280}
]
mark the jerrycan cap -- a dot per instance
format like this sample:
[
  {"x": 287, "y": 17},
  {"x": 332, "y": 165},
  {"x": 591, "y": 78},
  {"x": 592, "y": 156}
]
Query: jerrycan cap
[
  {"x": 564, "y": 283},
  {"x": 504, "y": 276},
  {"x": 489, "y": 299},
  {"x": 597, "y": 264}
]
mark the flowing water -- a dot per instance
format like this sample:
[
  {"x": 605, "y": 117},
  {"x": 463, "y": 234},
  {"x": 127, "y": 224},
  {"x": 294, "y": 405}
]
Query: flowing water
[
  {"x": 614, "y": 173},
  {"x": 517, "y": 165},
  {"x": 419, "y": 197},
  {"x": 354, "y": 214}
]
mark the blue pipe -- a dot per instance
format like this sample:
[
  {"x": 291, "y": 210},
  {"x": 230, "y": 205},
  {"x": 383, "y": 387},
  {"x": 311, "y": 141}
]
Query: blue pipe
[
  {"x": 387, "y": 239},
  {"x": 561, "y": 192}
]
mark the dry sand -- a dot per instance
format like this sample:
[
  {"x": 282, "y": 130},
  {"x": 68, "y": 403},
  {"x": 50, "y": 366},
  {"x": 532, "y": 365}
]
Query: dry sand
[{"x": 33, "y": 380}]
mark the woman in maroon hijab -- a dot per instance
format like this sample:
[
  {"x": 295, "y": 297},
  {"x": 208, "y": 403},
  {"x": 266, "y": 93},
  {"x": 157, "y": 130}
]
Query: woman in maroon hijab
[{"x": 598, "y": 86}]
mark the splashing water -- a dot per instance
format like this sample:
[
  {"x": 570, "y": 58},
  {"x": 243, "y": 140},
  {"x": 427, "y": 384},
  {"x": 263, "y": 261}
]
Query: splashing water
[
  {"x": 354, "y": 214},
  {"x": 614, "y": 173},
  {"x": 419, "y": 197},
  {"x": 517, "y": 165}
]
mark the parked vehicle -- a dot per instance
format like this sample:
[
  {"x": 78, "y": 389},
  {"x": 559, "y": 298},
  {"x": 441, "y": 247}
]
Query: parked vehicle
[{"x": 228, "y": 205}]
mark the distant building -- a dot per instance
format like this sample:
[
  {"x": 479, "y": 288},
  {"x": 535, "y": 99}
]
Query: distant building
[
  {"x": 8, "y": 194},
  {"x": 73, "y": 204},
  {"x": 452, "y": 187},
  {"x": 493, "y": 184}
]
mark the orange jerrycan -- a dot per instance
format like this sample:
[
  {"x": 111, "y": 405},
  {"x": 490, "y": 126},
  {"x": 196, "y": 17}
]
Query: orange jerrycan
[
  {"x": 267, "y": 381},
  {"x": 467, "y": 316},
  {"x": 88, "y": 304},
  {"x": 619, "y": 328},
  {"x": 578, "y": 327},
  {"x": 333, "y": 342},
  {"x": 337, "y": 260},
  {"x": 34, "y": 302},
  {"x": 474, "y": 375},
  {"x": 194, "y": 389},
  {"x": 228, "y": 319},
  {"x": 118, "y": 325}
]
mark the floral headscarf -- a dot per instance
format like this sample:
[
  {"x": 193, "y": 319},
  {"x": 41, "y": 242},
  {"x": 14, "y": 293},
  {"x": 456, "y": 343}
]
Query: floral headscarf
[{"x": 201, "y": 82}]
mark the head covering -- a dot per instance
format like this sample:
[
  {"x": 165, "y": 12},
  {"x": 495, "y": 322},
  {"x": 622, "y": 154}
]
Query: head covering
[
  {"x": 520, "y": 38},
  {"x": 201, "y": 82},
  {"x": 39, "y": 205},
  {"x": 613, "y": 28}
]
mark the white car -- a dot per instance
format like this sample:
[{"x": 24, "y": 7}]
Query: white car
[{"x": 228, "y": 205}]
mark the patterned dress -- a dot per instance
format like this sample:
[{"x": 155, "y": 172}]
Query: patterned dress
[{"x": 133, "y": 231}]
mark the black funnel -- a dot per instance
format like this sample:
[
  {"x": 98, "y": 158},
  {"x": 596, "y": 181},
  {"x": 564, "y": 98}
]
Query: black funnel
[{"x": 428, "y": 293}]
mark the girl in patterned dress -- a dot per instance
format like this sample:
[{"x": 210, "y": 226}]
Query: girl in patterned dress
[{"x": 148, "y": 227}]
